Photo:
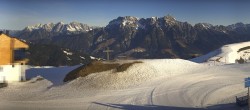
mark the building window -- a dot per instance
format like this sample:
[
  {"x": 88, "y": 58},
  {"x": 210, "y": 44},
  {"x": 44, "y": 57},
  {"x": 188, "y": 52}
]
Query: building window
[{"x": 19, "y": 54}]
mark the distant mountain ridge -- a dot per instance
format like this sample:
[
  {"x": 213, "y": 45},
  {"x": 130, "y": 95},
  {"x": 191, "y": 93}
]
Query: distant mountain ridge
[
  {"x": 132, "y": 37},
  {"x": 61, "y": 27}
]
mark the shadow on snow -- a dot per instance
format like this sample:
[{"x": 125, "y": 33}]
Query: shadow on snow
[{"x": 231, "y": 106}]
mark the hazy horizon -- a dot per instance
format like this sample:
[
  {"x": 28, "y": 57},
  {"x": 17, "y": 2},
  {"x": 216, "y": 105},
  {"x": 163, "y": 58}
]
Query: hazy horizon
[{"x": 17, "y": 14}]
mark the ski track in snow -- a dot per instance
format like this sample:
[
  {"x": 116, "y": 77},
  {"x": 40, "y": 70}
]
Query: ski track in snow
[{"x": 188, "y": 94}]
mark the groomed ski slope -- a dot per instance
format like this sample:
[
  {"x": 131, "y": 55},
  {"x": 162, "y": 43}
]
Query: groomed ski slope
[{"x": 161, "y": 84}]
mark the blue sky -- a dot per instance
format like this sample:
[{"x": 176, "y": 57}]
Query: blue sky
[{"x": 17, "y": 14}]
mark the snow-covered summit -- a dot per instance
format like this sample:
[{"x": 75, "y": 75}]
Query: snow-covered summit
[
  {"x": 169, "y": 19},
  {"x": 61, "y": 27},
  {"x": 127, "y": 20},
  {"x": 141, "y": 22},
  {"x": 37, "y": 26},
  {"x": 204, "y": 26},
  {"x": 75, "y": 26},
  {"x": 154, "y": 18}
]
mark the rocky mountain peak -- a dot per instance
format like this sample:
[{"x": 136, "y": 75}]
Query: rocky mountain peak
[
  {"x": 237, "y": 25},
  {"x": 203, "y": 25},
  {"x": 60, "y": 22},
  {"x": 169, "y": 19},
  {"x": 37, "y": 26},
  {"x": 124, "y": 21},
  {"x": 154, "y": 18}
]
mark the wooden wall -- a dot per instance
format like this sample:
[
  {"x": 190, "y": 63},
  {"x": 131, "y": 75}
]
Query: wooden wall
[{"x": 7, "y": 45}]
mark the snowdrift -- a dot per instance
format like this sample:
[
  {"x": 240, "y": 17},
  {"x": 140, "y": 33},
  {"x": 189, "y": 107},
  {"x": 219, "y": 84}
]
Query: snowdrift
[{"x": 136, "y": 74}]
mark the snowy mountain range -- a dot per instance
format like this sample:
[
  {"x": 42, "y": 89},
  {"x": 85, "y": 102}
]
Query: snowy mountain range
[
  {"x": 132, "y": 37},
  {"x": 60, "y": 27}
]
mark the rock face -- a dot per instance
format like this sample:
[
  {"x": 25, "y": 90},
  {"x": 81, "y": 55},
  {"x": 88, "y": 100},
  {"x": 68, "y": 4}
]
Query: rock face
[{"x": 132, "y": 37}]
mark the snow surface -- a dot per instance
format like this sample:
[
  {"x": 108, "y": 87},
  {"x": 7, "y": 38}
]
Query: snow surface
[
  {"x": 206, "y": 25},
  {"x": 82, "y": 57},
  {"x": 161, "y": 84},
  {"x": 226, "y": 54},
  {"x": 165, "y": 84},
  {"x": 67, "y": 52}
]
